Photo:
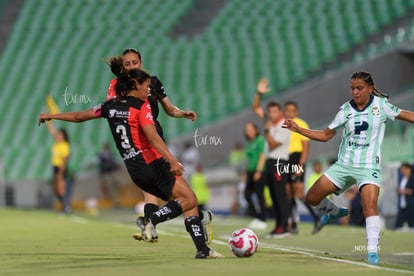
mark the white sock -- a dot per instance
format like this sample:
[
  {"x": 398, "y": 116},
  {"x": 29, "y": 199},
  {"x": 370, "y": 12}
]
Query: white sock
[
  {"x": 328, "y": 206},
  {"x": 373, "y": 232}
]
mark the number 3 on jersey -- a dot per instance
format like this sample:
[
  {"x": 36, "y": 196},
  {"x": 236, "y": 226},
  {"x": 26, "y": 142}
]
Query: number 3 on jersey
[{"x": 121, "y": 129}]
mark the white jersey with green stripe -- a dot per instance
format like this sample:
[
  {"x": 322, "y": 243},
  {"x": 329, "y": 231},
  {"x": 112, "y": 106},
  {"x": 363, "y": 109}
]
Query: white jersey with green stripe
[{"x": 363, "y": 132}]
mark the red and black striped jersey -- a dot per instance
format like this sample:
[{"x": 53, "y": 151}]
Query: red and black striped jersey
[
  {"x": 157, "y": 93},
  {"x": 127, "y": 118}
]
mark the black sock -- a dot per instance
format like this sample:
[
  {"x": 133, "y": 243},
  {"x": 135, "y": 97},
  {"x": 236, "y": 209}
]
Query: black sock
[
  {"x": 312, "y": 212},
  {"x": 149, "y": 209},
  {"x": 169, "y": 211},
  {"x": 194, "y": 228}
]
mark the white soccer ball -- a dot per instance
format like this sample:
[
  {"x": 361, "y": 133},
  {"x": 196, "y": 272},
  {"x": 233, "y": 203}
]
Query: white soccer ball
[{"x": 243, "y": 242}]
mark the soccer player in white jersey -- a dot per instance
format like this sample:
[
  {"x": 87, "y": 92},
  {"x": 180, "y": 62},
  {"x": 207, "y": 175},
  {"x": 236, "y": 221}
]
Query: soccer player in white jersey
[{"x": 363, "y": 120}]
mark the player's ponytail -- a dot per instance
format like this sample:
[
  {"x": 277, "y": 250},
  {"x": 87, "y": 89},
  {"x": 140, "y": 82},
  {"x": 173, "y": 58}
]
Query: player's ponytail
[
  {"x": 370, "y": 81},
  {"x": 115, "y": 63},
  {"x": 380, "y": 94}
]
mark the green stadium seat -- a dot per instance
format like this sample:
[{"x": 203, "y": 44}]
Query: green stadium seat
[{"x": 59, "y": 45}]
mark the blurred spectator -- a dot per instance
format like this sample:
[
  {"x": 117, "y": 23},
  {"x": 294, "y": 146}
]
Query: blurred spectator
[
  {"x": 70, "y": 182},
  {"x": 199, "y": 184},
  {"x": 317, "y": 172},
  {"x": 405, "y": 192},
  {"x": 237, "y": 158},
  {"x": 254, "y": 187},
  {"x": 60, "y": 157},
  {"x": 190, "y": 158},
  {"x": 108, "y": 170},
  {"x": 239, "y": 203}
]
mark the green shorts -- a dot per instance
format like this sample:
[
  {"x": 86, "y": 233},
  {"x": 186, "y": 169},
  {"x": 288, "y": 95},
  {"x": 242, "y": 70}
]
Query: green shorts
[{"x": 344, "y": 177}]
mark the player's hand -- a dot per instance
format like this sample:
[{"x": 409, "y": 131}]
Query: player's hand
[
  {"x": 176, "y": 168},
  {"x": 257, "y": 175},
  {"x": 43, "y": 118},
  {"x": 188, "y": 114},
  {"x": 291, "y": 125},
  {"x": 263, "y": 86}
]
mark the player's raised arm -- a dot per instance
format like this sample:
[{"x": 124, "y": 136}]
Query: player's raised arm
[
  {"x": 262, "y": 88},
  {"x": 173, "y": 111},
  {"x": 317, "y": 135},
  {"x": 75, "y": 117},
  {"x": 406, "y": 116}
]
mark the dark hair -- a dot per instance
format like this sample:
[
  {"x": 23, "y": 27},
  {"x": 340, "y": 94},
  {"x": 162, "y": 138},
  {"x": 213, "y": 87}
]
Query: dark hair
[
  {"x": 64, "y": 133},
  {"x": 365, "y": 76},
  {"x": 291, "y": 103},
  {"x": 255, "y": 127},
  {"x": 132, "y": 50},
  {"x": 115, "y": 63},
  {"x": 126, "y": 81},
  {"x": 273, "y": 104},
  {"x": 406, "y": 165}
]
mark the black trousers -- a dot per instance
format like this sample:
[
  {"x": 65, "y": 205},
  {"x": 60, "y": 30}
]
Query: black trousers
[
  {"x": 255, "y": 187},
  {"x": 276, "y": 179},
  {"x": 405, "y": 215}
]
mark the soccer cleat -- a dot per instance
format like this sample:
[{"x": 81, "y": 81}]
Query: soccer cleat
[
  {"x": 207, "y": 227},
  {"x": 257, "y": 224},
  {"x": 317, "y": 228},
  {"x": 278, "y": 233},
  {"x": 373, "y": 258},
  {"x": 294, "y": 231},
  {"x": 138, "y": 236},
  {"x": 212, "y": 254},
  {"x": 141, "y": 225},
  {"x": 327, "y": 218},
  {"x": 150, "y": 234}
]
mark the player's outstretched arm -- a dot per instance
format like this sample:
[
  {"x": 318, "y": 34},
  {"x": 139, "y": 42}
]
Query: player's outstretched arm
[
  {"x": 75, "y": 117},
  {"x": 156, "y": 141},
  {"x": 317, "y": 135},
  {"x": 406, "y": 116},
  {"x": 173, "y": 111}
]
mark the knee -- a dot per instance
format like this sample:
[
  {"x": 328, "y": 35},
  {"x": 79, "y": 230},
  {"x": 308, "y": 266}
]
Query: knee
[
  {"x": 192, "y": 201},
  {"x": 371, "y": 210}
]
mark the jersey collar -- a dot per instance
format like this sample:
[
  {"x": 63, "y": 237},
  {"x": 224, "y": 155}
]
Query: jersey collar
[{"x": 353, "y": 104}]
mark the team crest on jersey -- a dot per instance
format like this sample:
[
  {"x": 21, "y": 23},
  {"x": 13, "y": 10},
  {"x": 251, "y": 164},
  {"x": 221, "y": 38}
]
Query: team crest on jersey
[{"x": 375, "y": 110}]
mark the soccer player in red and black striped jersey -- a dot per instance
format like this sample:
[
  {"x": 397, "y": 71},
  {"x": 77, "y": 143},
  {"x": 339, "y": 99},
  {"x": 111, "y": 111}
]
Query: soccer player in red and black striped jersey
[
  {"x": 150, "y": 164},
  {"x": 129, "y": 60}
]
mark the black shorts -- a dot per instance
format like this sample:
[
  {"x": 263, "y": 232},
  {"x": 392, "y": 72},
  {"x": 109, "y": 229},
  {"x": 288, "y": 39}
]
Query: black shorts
[
  {"x": 154, "y": 178},
  {"x": 56, "y": 170},
  {"x": 294, "y": 159}
]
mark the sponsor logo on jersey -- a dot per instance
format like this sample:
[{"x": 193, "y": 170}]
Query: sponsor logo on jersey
[
  {"x": 358, "y": 145},
  {"x": 148, "y": 116},
  {"x": 360, "y": 127},
  {"x": 130, "y": 155},
  {"x": 118, "y": 113}
]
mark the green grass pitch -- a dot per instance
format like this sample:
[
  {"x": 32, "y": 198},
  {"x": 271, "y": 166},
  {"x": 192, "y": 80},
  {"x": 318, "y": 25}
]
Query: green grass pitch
[{"x": 45, "y": 243}]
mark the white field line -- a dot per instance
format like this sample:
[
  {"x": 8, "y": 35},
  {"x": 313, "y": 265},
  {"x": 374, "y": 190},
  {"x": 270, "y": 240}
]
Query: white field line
[{"x": 300, "y": 251}]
